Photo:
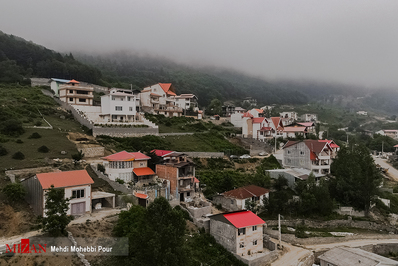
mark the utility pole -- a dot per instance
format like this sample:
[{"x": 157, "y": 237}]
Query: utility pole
[
  {"x": 279, "y": 228},
  {"x": 382, "y": 148},
  {"x": 275, "y": 144}
]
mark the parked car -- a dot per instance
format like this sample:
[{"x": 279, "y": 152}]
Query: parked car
[
  {"x": 245, "y": 156},
  {"x": 234, "y": 157},
  {"x": 263, "y": 153}
]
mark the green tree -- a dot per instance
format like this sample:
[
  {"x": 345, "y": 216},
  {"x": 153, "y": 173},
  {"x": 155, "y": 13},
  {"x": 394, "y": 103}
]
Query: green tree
[
  {"x": 14, "y": 192},
  {"x": 56, "y": 218},
  {"x": 78, "y": 156},
  {"x": 356, "y": 177},
  {"x": 215, "y": 107},
  {"x": 156, "y": 234}
]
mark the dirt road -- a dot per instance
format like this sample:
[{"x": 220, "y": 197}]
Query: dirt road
[
  {"x": 292, "y": 257},
  {"x": 352, "y": 243},
  {"x": 392, "y": 172}
]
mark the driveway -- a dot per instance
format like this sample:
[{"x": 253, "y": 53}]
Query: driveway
[
  {"x": 392, "y": 172},
  {"x": 292, "y": 257}
]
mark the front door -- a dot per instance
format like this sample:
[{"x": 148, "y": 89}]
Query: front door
[
  {"x": 78, "y": 208},
  {"x": 142, "y": 202},
  {"x": 181, "y": 196}
]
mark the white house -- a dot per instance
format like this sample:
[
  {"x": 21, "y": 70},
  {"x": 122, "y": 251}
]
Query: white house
[
  {"x": 160, "y": 99},
  {"x": 129, "y": 167},
  {"x": 119, "y": 106},
  {"x": 392, "y": 133},
  {"x": 239, "y": 232},
  {"x": 187, "y": 102},
  {"x": 55, "y": 83},
  {"x": 76, "y": 184},
  {"x": 309, "y": 117}
]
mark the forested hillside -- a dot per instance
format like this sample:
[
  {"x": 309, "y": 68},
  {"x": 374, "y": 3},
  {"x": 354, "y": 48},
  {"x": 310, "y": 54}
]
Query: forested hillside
[{"x": 21, "y": 59}]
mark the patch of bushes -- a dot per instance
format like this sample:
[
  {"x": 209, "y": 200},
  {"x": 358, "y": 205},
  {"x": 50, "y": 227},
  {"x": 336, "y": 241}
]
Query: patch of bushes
[
  {"x": 18, "y": 156},
  {"x": 183, "y": 212},
  {"x": 3, "y": 151},
  {"x": 35, "y": 135},
  {"x": 19, "y": 141},
  {"x": 101, "y": 168},
  {"x": 43, "y": 149},
  {"x": 38, "y": 123},
  {"x": 120, "y": 181},
  {"x": 14, "y": 192},
  {"x": 12, "y": 128}
]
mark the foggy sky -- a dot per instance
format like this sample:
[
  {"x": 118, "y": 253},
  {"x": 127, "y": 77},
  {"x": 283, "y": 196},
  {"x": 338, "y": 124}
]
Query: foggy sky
[{"x": 352, "y": 41}]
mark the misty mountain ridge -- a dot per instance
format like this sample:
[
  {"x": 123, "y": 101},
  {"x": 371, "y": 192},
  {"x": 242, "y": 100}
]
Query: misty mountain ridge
[{"x": 21, "y": 59}]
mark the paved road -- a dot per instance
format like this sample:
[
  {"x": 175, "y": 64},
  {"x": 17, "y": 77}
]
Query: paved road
[
  {"x": 392, "y": 172},
  {"x": 352, "y": 243},
  {"x": 292, "y": 257}
]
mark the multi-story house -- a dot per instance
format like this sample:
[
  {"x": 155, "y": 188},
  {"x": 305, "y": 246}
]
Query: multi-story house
[
  {"x": 239, "y": 232},
  {"x": 180, "y": 171},
  {"x": 309, "y": 117},
  {"x": 120, "y": 106},
  {"x": 314, "y": 155},
  {"x": 392, "y": 133},
  {"x": 187, "y": 102},
  {"x": 129, "y": 167},
  {"x": 72, "y": 92},
  {"x": 288, "y": 118},
  {"x": 236, "y": 199},
  {"x": 76, "y": 185},
  {"x": 160, "y": 99},
  {"x": 261, "y": 128}
]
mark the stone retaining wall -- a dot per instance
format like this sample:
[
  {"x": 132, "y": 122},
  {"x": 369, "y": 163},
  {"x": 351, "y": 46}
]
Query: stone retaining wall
[
  {"x": 204, "y": 154},
  {"x": 125, "y": 132},
  {"x": 91, "y": 150}
]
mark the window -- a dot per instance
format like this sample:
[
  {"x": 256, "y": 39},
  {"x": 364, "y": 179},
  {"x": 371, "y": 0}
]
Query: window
[
  {"x": 70, "y": 91},
  {"x": 188, "y": 194},
  {"x": 128, "y": 98},
  {"x": 130, "y": 109},
  {"x": 119, "y": 108},
  {"x": 288, "y": 152},
  {"x": 71, "y": 99},
  {"x": 255, "y": 243},
  {"x": 113, "y": 98},
  {"x": 232, "y": 201},
  {"x": 142, "y": 164},
  {"x": 82, "y": 100},
  {"x": 77, "y": 194},
  {"x": 301, "y": 152},
  {"x": 255, "y": 228},
  {"x": 241, "y": 244},
  {"x": 241, "y": 231}
]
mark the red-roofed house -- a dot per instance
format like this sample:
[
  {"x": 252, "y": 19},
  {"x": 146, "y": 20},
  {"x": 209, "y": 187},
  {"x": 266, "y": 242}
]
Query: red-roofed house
[
  {"x": 335, "y": 148},
  {"x": 310, "y": 154},
  {"x": 72, "y": 92},
  {"x": 160, "y": 99},
  {"x": 239, "y": 232},
  {"x": 236, "y": 199},
  {"x": 76, "y": 184},
  {"x": 129, "y": 167},
  {"x": 293, "y": 132}
]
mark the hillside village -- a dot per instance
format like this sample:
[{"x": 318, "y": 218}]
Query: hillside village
[{"x": 258, "y": 164}]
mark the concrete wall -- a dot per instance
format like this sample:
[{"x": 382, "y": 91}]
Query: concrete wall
[
  {"x": 124, "y": 132},
  {"x": 224, "y": 234},
  {"x": 204, "y": 154},
  {"x": 40, "y": 82},
  {"x": 248, "y": 238},
  {"x": 229, "y": 203},
  {"x": 292, "y": 156},
  {"x": 291, "y": 179},
  {"x": 198, "y": 212},
  {"x": 90, "y": 150},
  {"x": 260, "y": 261}
]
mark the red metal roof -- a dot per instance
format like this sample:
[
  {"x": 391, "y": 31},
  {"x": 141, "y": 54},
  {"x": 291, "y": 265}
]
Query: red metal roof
[
  {"x": 277, "y": 123},
  {"x": 266, "y": 129},
  {"x": 294, "y": 129},
  {"x": 246, "y": 192},
  {"x": 259, "y": 110},
  {"x": 64, "y": 179},
  {"x": 143, "y": 171},
  {"x": 307, "y": 124},
  {"x": 141, "y": 196},
  {"x": 243, "y": 219},
  {"x": 330, "y": 142},
  {"x": 167, "y": 88},
  {"x": 247, "y": 114},
  {"x": 396, "y": 146},
  {"x": 73, "y": 81},
  {"x": 258, "y": 120},
  {"x": 195, "y": 180},
  {"x": 126, "y": 156},
  {"x": 161, "y": 153}
]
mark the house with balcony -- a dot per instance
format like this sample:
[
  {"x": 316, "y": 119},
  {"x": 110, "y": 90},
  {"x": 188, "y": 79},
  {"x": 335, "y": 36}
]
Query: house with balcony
[
  {"x": 180, "y": 171},
  {"x": 261, "y": 128},
  {"x": 235, "y": 200},
  {"x": 239, "y": 232},
  {"x": 73, "y": 93},
  {"x": 187, "y": 102},
  {"x": 129, "y": 167},
  {"x": 315, "y": 155},
  {"x": 294, "y": 132},
  {"x": 76, "y": 185},
  {"x": 160, "y": 99},
  {"x": 120, "y": 106}
]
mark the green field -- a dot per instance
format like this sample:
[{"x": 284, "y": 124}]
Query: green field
[{"x": 54, "y": 139}]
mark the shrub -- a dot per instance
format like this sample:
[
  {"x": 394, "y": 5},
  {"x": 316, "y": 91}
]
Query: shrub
[
  {"x": 18, "y": 156},
  {"x": 38, "y": 123},
  {"x": 35, "y": 135},
  {"x": 3, "y": 151},
  {"x": 43, "y": 149},
  {"x": 14, "y": 192},
  {"x": 12, "y": 128},
  {"x": 120, "y": 181},
  {"x": 19, "y": 141},
  {"x": 78, "y": 156},
  {"x": 101, "y": 168}
]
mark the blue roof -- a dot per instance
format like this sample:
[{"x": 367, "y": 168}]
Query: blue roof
[{"x": 61, "y": 80}]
